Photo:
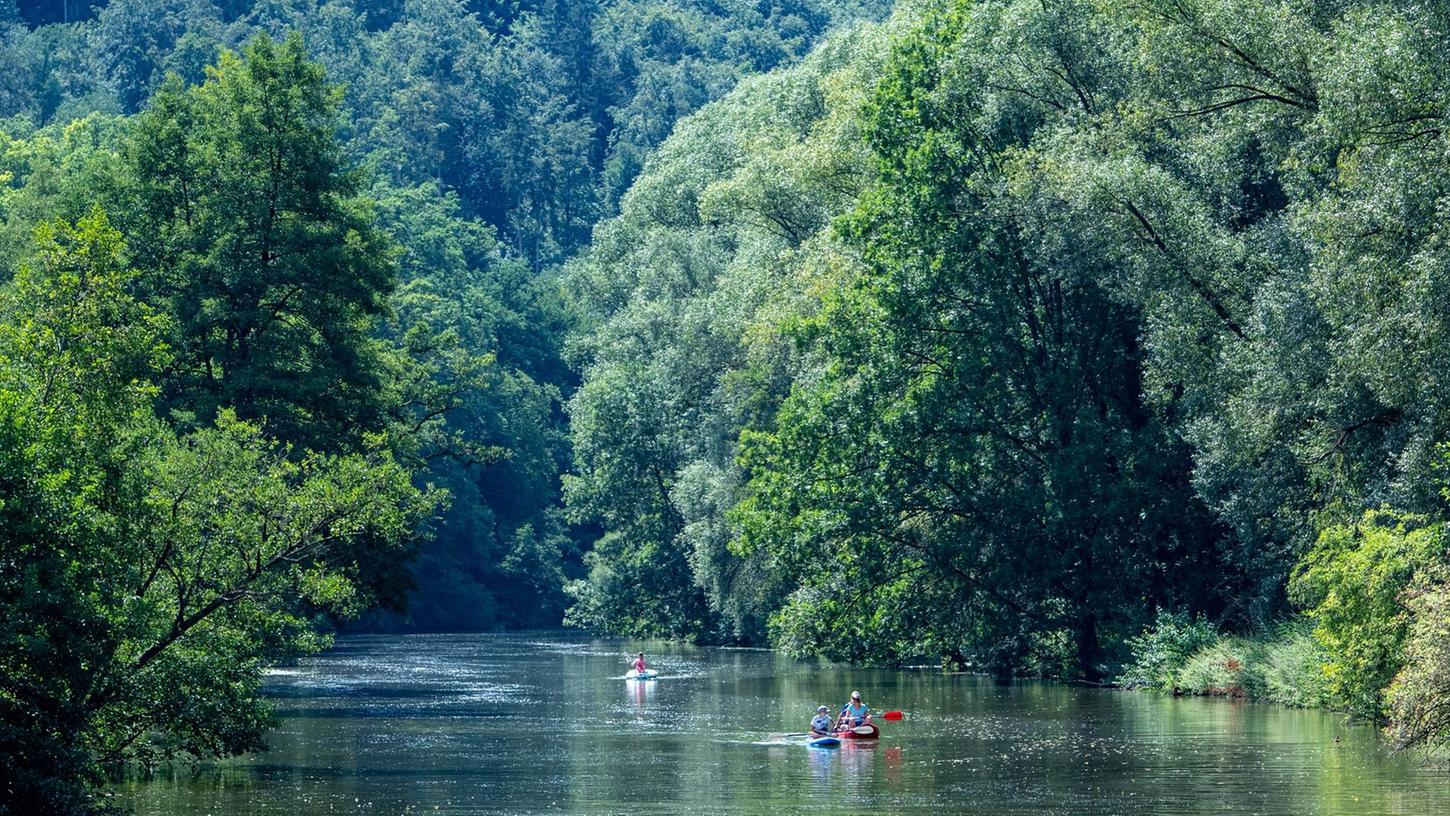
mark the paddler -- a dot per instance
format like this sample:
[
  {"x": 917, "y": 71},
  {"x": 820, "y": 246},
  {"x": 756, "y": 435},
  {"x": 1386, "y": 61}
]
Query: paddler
[
  {"x": 821, "y": 724},
  {"x": 855, "y": 712},
  {"x": 639, "y": 667}
]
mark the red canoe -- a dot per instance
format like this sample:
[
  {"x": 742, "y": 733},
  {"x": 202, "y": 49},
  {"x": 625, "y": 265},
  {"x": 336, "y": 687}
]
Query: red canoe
[{"x": 860, "y": 732}]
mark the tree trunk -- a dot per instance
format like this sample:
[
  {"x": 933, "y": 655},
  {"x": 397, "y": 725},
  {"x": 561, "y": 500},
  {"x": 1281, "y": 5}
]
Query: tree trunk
[{"x": 1088, "y": 646}]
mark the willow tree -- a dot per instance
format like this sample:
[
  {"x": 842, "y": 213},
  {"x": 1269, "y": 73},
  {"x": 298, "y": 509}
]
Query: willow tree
[
  {"x": 680, "y": 304},
  {"x": 977, "y": 471}
]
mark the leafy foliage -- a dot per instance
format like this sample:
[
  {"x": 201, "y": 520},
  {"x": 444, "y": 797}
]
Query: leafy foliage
[
  {"x": 1352, "y": 582},
  {"x": 1286, "y": 666},
  {"x": 1417, "y": 695},
  {"x": 1230, "y": 667},
  {"x": 678, "y": 299},
  {"x": 480, "y": 396},
  {"x": 1162, "y": 650},
  {"x": 253, "y": 235},
  {"x": 537, "y": 114},
  {"x": 495, "y": 135},
  {"x": 150, "y": 576},
  {"x": 978, "y": 440},
  {"x": 1128, "y": 304},
  {"x": 1294, "y": 674}
]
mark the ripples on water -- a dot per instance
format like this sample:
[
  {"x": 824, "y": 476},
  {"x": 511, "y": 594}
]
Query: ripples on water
[{"x": 467, "y": 724}]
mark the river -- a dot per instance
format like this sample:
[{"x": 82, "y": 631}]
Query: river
[{"x": 536, "y": 724}]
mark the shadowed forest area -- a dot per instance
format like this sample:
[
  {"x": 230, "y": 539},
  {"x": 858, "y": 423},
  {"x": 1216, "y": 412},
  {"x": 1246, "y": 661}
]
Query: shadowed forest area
[{"x": 1103, "y": 341}]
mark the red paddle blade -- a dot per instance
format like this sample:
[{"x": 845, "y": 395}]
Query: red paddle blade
[{"x": 892, "y": 716}]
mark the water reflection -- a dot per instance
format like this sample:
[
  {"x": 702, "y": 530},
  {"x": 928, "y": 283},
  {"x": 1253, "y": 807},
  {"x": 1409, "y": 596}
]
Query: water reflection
[
  {"x": 530, "y": 725},
  {"x": 640, "y": 692}
]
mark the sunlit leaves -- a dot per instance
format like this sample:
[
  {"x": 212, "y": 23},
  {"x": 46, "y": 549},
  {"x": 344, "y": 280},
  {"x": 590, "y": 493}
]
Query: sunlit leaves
[
  {"x": 1351, "y": 582},
  {"x": 73, "y": 335},
  {"x": 685, "y": 303},
  {"x": 148, "y": 576}
]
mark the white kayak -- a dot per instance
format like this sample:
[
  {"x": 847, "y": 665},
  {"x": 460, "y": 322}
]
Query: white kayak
[{"x": 647, "y": 674}]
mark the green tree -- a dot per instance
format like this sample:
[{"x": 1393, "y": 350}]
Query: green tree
[
  {"x": 253, "y": 234},
  {"x": 1352, "y": 582},
  {"x": 975, "y": 470},
  {"x": 148, "y": 579},
  {"x": 679, "y": 306},
  {"x": 482, "y": 397},
  {"x": 1417, "y": 696},
  {"x": 134, "y": 42}
]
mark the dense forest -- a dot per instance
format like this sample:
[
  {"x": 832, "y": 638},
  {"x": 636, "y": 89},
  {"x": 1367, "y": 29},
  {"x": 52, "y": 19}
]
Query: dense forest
[{"x": 1096, "y": 340}]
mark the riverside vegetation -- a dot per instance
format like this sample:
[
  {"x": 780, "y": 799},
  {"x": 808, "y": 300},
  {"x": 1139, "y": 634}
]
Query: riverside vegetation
[{"x": 1083, "y": 339}]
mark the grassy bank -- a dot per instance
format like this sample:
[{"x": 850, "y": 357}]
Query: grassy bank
[{"x": 1179, "y": 655}]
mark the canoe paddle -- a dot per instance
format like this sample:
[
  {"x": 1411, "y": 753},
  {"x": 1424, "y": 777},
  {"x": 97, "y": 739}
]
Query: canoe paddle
[{"x": 890, "y": 716}]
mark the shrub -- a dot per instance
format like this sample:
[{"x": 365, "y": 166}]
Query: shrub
[
  {"x": 1163, "y": 649},
  {"x": 1294, "y": 669},
  {"x": 1351, "y": 581},
  {"x": 1231, "y": 667},
  {"x": 1418, "y": 697}
]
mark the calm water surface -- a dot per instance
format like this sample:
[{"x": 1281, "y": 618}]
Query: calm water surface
[{"x": 530, "y": 724}]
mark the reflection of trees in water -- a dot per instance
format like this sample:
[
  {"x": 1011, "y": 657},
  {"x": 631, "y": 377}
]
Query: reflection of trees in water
[{"x": 1270, "y": 755}]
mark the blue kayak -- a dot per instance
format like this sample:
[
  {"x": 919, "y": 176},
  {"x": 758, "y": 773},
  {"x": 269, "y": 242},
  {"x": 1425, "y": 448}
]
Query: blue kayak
[{"x": 824, "y": 742}]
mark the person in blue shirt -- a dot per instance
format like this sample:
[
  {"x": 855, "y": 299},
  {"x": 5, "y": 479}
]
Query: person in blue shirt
[
  {"x": 855, "y": 712},
  {"x": 821, "y": 725}
]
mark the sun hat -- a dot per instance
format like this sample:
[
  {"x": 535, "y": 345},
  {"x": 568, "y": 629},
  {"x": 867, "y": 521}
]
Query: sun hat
[
  {"x": 822, "y": 708},
  {"x": 855, "y": 695}
]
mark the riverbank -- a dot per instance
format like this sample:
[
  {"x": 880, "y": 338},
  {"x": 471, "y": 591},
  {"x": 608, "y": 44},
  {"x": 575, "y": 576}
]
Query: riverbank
[{"x": 1182, "y": 656}]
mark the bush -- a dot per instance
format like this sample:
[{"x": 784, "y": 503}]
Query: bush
[
  {"x": 1351, "y": 581},
  {"x": 1417, "y": 698},
  {"x": 1294, "y": 670},
  {"x": 1162, "y": 650},
  {"x": 1232, "y": 667},
  {"x": 1181, "y": 654}
]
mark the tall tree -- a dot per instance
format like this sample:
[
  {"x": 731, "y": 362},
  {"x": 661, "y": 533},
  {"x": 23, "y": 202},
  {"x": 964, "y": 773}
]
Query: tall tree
[
  {"x": 253, "y": 233},
  {"x": 149, "y": 578},
  {"x": 679, "y": 305}
]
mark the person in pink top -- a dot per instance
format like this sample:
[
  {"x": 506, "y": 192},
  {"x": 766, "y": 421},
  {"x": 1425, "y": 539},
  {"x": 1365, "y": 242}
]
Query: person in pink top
[{"x": 639, "y": 667}]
